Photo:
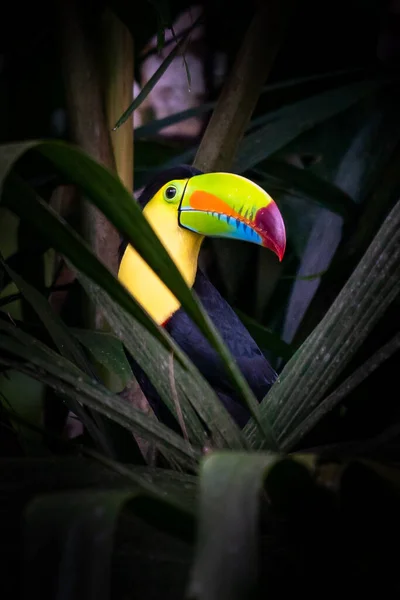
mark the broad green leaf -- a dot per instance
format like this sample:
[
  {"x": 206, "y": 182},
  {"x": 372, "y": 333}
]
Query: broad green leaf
[
  {"x": 154, "y": 79},
  {"x": 25, "y": 397},
  {"x": 304, "y": 183},
  {"x": 231, "y": 487},
  {"x": 107, "y": 434},
  {"x": 72, "y": 534},
  {"x": 58, "y": 331},
  {"x": 107, "y": 350},
  {"x": 292, "y": 120},
  {"x": 226, "y": 556},
  {"x": 92, "y": 394},
  {"x": 90, "y": 470},
  {"x": 47, "y": 355},
  {"x": 110, "y": 196}
]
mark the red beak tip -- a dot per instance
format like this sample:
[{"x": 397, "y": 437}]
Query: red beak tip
[{"x": 269, "y": 220}]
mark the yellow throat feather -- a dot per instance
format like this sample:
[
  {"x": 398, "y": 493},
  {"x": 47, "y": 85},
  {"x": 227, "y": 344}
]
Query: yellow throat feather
[{"x": 182, "y": 245}]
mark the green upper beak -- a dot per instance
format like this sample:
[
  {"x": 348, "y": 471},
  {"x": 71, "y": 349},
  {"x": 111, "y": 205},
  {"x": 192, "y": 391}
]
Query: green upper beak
[{"x": 228, "y": 205}]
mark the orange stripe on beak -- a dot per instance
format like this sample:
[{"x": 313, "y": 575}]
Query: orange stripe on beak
[{"x": 208, "y": 202}]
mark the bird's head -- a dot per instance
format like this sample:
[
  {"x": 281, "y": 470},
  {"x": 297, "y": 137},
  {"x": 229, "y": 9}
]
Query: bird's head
[{"x": 216, "y": 205}]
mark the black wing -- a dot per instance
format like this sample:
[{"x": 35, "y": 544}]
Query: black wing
[{"x": 252, "y": 363}]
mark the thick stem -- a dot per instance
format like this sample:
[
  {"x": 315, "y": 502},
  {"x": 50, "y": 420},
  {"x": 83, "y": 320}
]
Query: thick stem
[
  {"x": 118, "y": 85},
  {"x": 87, "y": 116},
  {"x": 242, "y": 89}
]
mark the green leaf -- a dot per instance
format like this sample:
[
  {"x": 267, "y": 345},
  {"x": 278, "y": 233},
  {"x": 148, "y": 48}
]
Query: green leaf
[
  {"x": 296, "y": 181},
  {"x": 107, "y": 350},
  {"x": 154, "y": 126},
  {"x": 72, "y": 535},
  {"x": 101, "y": 431},
  {"x": 58, "y": 331},
  {"x": 154, "y": 79},
  {"x": 24, "y": 397},
  {"x": 290, "y": 121},
  {"x": 226, "y": 556},
  {"x": 59, "y": 376},
  {"x": 109, "y": 195},
  {"x": 343, "y": 390},
  {"x": 91, "y": 470}
]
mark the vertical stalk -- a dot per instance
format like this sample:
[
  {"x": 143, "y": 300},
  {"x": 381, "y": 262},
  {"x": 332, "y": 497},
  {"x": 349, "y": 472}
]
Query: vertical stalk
[
  {"x": 242, "y": 89},
  {"x": 87, "y": 115},
  {"x": 118, "y": 77}
]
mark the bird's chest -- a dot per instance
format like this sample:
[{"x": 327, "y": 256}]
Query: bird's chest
[{"x": 146, "y": 287}]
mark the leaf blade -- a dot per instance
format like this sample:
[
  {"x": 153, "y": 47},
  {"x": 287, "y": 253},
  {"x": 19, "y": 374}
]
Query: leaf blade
[
  {"x": 226, "y": 554},
  {"x": 296, "y": 118}
]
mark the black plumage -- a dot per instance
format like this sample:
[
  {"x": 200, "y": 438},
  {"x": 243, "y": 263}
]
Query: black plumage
[{"x": 254, "y": 366}]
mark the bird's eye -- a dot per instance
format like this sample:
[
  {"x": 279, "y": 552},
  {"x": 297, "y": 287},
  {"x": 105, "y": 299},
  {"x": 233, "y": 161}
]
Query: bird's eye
[{"x": 170, "y": 192}]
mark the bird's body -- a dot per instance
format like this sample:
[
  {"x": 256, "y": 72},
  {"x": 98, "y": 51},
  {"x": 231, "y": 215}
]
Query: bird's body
[{"x": 165, "y": 309}]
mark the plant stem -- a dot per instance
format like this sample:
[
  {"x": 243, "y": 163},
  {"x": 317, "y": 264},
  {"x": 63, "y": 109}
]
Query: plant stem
[
  {"x": 118, "y": 85},
  {"x": 242, "y": 89},
  {"x": 87, "y": 115}
]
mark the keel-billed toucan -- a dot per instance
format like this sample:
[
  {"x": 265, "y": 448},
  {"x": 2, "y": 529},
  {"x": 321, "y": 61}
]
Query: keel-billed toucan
[{"x": 183, "y": 205}]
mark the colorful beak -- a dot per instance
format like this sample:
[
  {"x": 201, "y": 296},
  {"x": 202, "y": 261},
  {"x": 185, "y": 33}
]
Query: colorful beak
[{"x": 228, "y": 205}]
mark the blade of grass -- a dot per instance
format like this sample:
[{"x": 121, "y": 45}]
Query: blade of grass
[
  {"x": 151, "y": 128},
  {"x": 305, "y": 184},
  {"x": 95, "y": 396},
  {"x": 80, "y": 472},
  {"x": 107, "y": 434},
  {"x": 107, "y": 349},
  {"x": 297, "y": 118},
  {"x": 154, "y": 79},
  {"x": 60, "y": 334},
  {"x": 225, "y": 563},
  {"x": 75, "y": 531},
  {"x": 329, "y": 403},
  {"x": 231, "y": 494}
]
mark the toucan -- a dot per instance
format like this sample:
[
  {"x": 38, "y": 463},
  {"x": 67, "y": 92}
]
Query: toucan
[{"x": 184, "y": 205}]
